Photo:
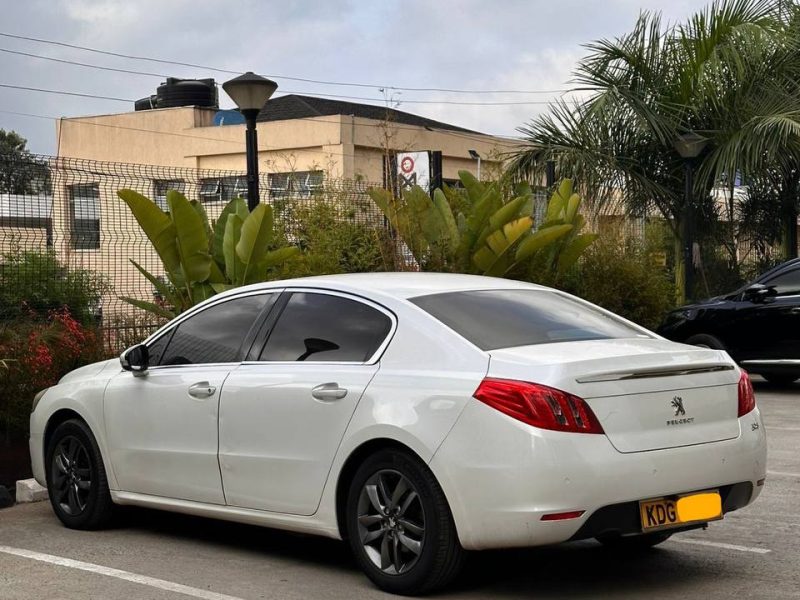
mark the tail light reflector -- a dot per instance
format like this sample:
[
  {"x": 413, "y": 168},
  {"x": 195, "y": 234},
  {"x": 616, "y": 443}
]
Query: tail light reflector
[
  {"x": 562, "y": 516},
  {"x": 747, "y": 398},
  {"x": 538, "y": 405}
]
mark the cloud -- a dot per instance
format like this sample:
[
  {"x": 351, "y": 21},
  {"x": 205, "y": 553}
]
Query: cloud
[{"x": 471, "y": 44}]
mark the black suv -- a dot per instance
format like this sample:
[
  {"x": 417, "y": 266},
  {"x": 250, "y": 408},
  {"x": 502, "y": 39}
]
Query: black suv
[{"x": 758, "y": 324}]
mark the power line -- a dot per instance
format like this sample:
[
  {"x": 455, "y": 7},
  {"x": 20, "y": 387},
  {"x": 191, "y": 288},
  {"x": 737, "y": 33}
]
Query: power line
[
  {"x": 81, "y": 64},
  {"x": 324, "y": 95},
  {"x": 63, "y": 93},
  {"x": 288, "y": 78}
]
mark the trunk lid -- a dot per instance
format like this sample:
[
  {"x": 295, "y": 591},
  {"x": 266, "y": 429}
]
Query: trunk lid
[{"x": 648, "y": 394}]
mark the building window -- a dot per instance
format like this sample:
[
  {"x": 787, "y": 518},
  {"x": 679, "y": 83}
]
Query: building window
[
  {"x": 223, "y": 189},
  {"x": 162, "y": 186},
  {"x": 299, "y": 184},
  {"x": 84, "y": 212}
]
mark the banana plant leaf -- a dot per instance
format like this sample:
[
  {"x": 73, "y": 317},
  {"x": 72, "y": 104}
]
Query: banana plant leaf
[
  {"x": 234, "y": 267},
  {"x": 570, "y": 255},
  {"x": 158, "y": 228},
  {"x": 167, "y": 292},
  {"x": 192, "y": 240},
  {"x": 494, "y": 259},
  {"x": 235, "y": 206},
  {"x": 540, "y": 240},
  {"x": 149, "y": 307},
  {"x": 255, "y": 236}
]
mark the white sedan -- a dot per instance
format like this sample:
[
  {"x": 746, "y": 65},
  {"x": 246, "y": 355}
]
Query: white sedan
[{"x": 414, "y": 415}]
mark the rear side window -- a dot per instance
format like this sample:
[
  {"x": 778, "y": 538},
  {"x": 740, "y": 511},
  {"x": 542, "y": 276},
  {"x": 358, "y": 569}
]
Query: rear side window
[
  {"x": 493, "y": 319},
  {"x": 215, "y": 334},
  {"x": 786, "y": 284},
  {"x": 320, "y": 327}
]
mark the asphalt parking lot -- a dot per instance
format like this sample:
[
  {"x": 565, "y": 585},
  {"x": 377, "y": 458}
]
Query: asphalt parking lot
[{"x": 753, "y": 553}]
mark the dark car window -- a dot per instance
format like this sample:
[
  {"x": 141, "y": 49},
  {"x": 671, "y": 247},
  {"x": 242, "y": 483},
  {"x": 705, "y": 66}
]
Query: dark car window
[
  {"x": 215, "y": 334},
  {"x": 156, "y": 348},
  {"x": 493, "y": 319},
  {"x": 786, "y": 284},
  {"x": 322, "y": 327}
]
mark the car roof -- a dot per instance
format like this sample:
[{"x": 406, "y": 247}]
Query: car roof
[{"x": 398, "y": 285}]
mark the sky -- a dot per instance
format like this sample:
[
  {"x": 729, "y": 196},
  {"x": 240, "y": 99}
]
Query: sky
[{"x": 523, "y": 45}]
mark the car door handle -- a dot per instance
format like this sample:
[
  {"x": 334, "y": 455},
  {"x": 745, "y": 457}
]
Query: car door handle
[
  {"x": 202, "y": 390},
  {"x": 795, "y": 310},
  {"x": 329, "y": 391}
]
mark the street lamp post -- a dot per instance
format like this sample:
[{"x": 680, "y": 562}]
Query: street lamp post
[
  {"x": 250, "y": 92},
  {"x": 475, "y": 156},
  {"x": 689, "y": 146}
]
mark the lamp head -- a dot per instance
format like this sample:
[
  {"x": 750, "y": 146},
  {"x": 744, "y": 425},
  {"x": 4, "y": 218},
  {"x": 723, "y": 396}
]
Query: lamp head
[
  {"x": 250, "y": 91},
  {"x": 690, "y": 145}
]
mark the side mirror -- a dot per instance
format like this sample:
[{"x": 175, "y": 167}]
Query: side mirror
[
  {"x": 758, "y": 292},
  {"x": 135, "y": 359}
]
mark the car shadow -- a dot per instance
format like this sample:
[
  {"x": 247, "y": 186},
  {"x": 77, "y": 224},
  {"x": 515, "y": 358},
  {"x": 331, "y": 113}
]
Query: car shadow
[{"x": 578, "y": 570}]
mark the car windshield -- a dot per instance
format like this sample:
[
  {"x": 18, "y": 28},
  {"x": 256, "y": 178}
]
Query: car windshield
[{"x": 493, "y": 319}]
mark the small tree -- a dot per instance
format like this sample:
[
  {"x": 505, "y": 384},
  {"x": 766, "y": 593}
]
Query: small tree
[{"x": 20, "y": 171}]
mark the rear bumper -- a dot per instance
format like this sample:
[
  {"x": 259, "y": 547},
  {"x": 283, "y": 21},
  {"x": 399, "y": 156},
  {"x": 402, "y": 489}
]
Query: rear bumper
[{"x": 501, "y": 476}]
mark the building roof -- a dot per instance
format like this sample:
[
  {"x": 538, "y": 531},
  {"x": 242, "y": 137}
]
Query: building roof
[{"x": 296, "y": 106}]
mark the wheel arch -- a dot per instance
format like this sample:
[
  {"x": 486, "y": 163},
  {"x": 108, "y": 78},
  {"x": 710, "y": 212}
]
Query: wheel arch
[
  {"x": 57, "y": 418},
  {"x": 350, "y": 467}
]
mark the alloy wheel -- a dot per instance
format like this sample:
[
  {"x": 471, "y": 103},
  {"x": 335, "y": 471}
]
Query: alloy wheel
[
  {"x": 72, "y": 475},
  {"x": 391, "y": 522}
]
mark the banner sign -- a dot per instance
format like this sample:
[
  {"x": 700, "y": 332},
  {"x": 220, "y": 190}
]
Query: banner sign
[{"x": 414, "y": 168}]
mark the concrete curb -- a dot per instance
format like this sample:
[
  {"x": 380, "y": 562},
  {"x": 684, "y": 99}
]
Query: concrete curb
[{"x": 30, "y": 491}]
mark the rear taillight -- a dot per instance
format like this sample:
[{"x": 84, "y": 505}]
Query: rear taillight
[
  {"x": 538, "y": 405},
  {"x": 747, "y": 399}
]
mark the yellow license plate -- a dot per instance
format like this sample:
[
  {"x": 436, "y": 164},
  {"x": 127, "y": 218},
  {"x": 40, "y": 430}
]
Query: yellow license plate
[{"x": 662, "y": 513}]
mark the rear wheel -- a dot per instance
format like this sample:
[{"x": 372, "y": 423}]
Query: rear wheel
[
  {"x": 399, "y": 525},
  {"x": 634, "y": 543},
  {"x": 76, "y": 478},
  {"x": 782, "y": 379},
  {"x": 706, "y": 341}
]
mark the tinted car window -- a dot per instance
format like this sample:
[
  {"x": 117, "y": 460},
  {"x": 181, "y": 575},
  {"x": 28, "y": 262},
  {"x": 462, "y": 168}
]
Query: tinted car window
[
  {"x": 156, "y": 348},
  {"x": 215, "y": 335},
  {"x": 786, "y": 284},
  {"x": 493, "y": 319},
  {"x": 320, "y": 327}
]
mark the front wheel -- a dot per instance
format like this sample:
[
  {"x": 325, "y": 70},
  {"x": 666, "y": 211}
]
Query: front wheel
[
  {"x": 76, "y": 478},
  {"x": 399, "y": 525}
]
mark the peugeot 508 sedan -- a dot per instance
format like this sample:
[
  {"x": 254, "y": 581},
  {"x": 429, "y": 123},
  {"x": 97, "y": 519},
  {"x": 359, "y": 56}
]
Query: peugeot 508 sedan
[
  {"x": 758, "y": 324},
  {"x": 414, "y": 415}
]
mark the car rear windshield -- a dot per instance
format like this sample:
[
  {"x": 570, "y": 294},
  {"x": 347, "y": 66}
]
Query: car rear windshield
[{"x": 493, "y": 319}]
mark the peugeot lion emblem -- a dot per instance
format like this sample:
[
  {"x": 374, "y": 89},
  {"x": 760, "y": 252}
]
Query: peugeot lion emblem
[{"x": 677, "y": 404}]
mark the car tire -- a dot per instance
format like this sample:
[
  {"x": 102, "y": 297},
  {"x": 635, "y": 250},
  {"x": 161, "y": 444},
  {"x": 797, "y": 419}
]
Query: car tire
[
  {"x": 634, "y": 543},
  {"x": 706, "y": 341},
  {"x": 399, "y": 525},
  {"x": 780, "y": 379},
  {"x": 76, "y": 478}
]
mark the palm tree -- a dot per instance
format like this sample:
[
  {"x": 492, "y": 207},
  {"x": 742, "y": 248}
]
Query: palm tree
[{"x": 729, "y": 74}]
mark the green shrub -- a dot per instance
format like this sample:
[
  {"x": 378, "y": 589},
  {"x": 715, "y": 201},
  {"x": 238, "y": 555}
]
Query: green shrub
[
  {"x": 333, "y": 240},
  {"x": 38, "y": 282},
  {"x": 625, "y": 277}
]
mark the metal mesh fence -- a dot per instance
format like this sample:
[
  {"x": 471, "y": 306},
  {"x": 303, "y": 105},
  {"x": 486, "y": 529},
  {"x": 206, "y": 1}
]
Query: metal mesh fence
[{"x": 67, "y": 238}]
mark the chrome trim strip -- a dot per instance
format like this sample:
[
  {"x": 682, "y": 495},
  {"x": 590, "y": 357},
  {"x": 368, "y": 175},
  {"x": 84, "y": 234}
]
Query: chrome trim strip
[
  {"x": 657, "y": 372},
  {"x": 777, "y": 361}
]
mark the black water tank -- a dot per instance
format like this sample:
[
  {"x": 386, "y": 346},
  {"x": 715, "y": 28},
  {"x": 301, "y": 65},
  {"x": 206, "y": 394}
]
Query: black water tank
[
  {"x": 187, "y": 92},
  {"x": 146, "y": 103}
]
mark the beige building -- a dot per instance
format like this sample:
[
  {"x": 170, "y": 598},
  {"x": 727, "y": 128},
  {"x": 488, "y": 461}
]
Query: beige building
[
  {"x": 303, "y": 142},
  {"x": 296, "y": 134}
]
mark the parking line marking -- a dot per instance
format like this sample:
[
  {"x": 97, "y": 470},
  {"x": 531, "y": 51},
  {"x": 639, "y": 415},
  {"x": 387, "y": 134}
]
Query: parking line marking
[
  {"x": 783, "y": 474},
  {"x": 118, "y": 574},
  {"x": 770, "y": 428},
  {"x": 724, "y": 546}
]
